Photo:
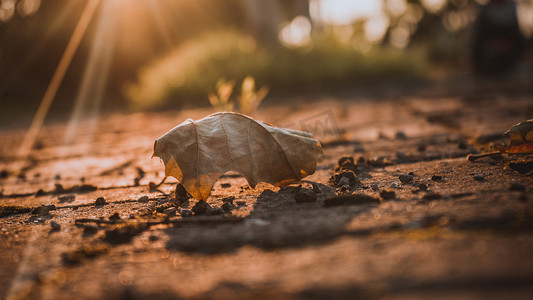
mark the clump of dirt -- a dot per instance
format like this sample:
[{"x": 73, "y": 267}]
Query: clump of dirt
[
  {"x": 436, "y": 178},
  {"x": 84, "y": 252},
  {"x": 123, "y": 232},
  {"x": 387, "y": 195},
  {"x": 305, "y": 196},
  {"x": 43, "y": 210},
  {"x": 54, "y": 226},
  {"x": 8, "y": 210},
  {"x": 344, "y": 174},
  {"x": 203, "y": 208},
  {"x": 406, "y": 178},
  {"x": 350, "y": 199}
]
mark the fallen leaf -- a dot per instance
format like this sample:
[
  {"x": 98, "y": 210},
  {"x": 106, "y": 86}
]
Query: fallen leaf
[
  {"x": 521, "y": 136},
  {"x": 197, "y": 153},
  {"x": 521, "y": 141}
]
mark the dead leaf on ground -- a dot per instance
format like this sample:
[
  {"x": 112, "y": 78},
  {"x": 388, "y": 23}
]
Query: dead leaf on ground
[
  {"x": 197, "y": 153},
  {"x": 521, "y": 141}
]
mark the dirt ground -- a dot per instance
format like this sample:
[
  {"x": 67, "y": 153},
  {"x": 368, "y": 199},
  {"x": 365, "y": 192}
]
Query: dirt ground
[{"x": 451, "y": 229}]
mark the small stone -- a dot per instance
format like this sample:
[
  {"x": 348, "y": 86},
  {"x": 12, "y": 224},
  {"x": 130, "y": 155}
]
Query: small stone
[
  {"x": 515, "y": 186},
  {"x": 114, "y": 217},
  {"x": 200, "y": 208},
  {"x": 4, "y": 174},
  {"x": 55, "y": 226},
  {"x": 344, "y": 181},
  {"x": 400, "y": 135},
  {"x": 422, "y": 187},
  {"x": 185, "y": 213},
  {"x": 225, "y": 185},
  {"x": 387, "y": 195},
  {"x": 228, "y": 206},
  {"x": 171, "y": 211},
  {"x": 305, "y": 196},
  {"x": 100, "y": 201},
  {"x": 479, "y": 177},
  {"x": 436, "y": 178},
  {"x": 406, "y": 178},
  {"x": 143, "y": 199},
  {"x": 152, "y": 186}
]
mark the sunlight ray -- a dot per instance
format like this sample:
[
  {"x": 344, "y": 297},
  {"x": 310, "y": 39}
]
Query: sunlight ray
[
  {"x": 161, "y": 22},
  {"x": 92, "y": 88},
  {"x": 57, "y": 78}
]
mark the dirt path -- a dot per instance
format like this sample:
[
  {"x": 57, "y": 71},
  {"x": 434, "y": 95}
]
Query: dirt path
[{"x": 451, "y": 229}]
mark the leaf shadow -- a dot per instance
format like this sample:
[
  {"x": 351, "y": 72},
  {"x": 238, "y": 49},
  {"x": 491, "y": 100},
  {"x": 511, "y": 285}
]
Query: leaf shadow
[{"x": 276, "y": 221}]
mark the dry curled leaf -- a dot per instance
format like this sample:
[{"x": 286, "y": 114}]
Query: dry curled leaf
[
  {"x": 521, "y": 136},
  {"x": 521, "y": 141},
  {"x": 197, "y": 153}
]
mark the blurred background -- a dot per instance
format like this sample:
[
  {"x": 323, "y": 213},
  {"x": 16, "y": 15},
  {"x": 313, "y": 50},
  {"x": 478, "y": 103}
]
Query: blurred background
[{"x": 150, "y": 55}]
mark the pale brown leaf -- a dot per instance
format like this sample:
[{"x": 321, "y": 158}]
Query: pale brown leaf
[{"x": 197, "y": 153}]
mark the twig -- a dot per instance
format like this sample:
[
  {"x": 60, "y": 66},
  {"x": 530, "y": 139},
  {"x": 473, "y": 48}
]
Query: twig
[{"x": 473, "y": 157}]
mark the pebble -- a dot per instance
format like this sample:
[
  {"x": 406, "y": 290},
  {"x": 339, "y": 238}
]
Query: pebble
[
  {"x": 200, "y": 208},
  {"x": 114, "y": 217},
  {"x": 422, "y": 187},
  {"x": 228, "y": 206},
  {"x": 43, "y": 210},
  {"x": 436, "y": 178},
  {"x": 406, "y": 178},
  {"x": 171, "y": 211},
  {"x": 55, "y": 226},
  {"x": 400, "y": 135},
  {"x": 344, "y": 181},
  {"x": 143, "y": 199},
  {"x": 100, "y": 201}
]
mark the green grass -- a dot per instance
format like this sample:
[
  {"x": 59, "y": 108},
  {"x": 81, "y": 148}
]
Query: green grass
[{"x": 186, "y": 75}]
